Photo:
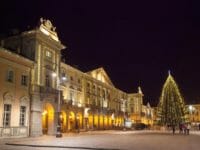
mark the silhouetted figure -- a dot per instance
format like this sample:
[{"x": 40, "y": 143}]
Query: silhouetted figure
[
  {"x": 199, "y": 126},
  {"x": 173, "y": 129},
  {"x": 184, "y": 129},
  {"x": 77, "y": 127},
  {"x": 180, "y": 128},
  {"x": 188, "y": 128}
]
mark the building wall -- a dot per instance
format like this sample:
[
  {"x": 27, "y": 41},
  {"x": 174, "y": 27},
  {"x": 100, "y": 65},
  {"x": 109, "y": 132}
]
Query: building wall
[
  {"x": 87, "y": 100},
  {"x": 92, "y": 91},
  {"x": 14, "y": 93},
  {"x": 43, "y": 47},
  {"x": 135, "y": 102},
  {"x": 193, "y": 115}
]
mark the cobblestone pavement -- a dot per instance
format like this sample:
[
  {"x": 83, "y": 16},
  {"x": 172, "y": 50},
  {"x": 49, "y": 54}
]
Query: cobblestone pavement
[{"x": 107, "y": 140}]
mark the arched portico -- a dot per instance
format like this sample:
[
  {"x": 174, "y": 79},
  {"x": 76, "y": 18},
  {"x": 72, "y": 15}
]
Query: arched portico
[
  {"x": 71, "y": 121},
  {"x": 63, "y": 121},
  {"x": 48, "y": 119}
]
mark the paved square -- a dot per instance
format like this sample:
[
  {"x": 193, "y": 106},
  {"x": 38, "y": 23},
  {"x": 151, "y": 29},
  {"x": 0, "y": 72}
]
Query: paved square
[{"x": 107, "y": 140}]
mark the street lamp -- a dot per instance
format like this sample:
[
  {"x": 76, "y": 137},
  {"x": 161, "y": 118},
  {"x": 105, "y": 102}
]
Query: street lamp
[
  {"x": 58, "y": 127},
  {"x": 112, "y": 119},
  {"x": 77, "y": 122},
  {"x": 191, "y": 109}
]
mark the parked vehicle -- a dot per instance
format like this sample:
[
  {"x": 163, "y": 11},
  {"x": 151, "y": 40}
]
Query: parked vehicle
[{"x": 139, "y": 126}]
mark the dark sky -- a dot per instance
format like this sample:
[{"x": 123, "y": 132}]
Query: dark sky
[{"x": 136, "y": 42}]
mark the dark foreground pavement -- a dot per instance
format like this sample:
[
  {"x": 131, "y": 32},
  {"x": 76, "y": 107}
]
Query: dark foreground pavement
[{"x": 107, "y": 140}]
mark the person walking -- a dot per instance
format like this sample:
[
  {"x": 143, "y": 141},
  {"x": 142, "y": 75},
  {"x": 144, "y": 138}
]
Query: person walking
[
  {"x": 188, "y": 128},
  {"x": 199, "y": 126},
  {"x": 180, "y": 128},
  {"x": 173, "y": 129},
  {"x": 185, "y": 129}
]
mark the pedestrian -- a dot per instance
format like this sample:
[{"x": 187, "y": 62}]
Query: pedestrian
[
  {"x": 199, "y": 126},
  {"x": 173, "y": 129},
  {"x": 180, "y": 128},
  {"x": 188, "y": 128},
  {"x": 184, "y": 129},
  {"x": 77, "y": 127}
]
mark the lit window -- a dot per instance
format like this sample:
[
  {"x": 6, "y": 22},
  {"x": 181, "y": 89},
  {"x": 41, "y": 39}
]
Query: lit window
[
  {"x": 24, "y": 80},
  {"x": 10, "y": 76},
  {"x": 22, "y": 116},
  {"x": 48, "y": 54},
  {"x": 7, "y": 115}
]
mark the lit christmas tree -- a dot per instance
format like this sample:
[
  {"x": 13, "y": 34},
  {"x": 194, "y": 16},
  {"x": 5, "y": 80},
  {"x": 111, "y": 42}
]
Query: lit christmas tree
[{"x": 171, "y": 108}]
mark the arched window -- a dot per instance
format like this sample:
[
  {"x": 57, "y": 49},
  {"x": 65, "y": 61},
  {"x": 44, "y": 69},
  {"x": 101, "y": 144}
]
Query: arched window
[
  {"x": 94, "y": 89},
  {"x": 24, "y": 103},
  {"x": 10, "y": 76},
  {"x": 88, "y": 87},
  {"x": 104, "y": 94},
  {"x": 98, "y": 91},
  {"x": 8, "y": 99}
]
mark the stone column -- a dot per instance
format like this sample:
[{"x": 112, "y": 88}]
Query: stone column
[{"x": 36, "y": 116}]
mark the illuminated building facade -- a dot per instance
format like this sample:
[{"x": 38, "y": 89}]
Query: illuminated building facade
[
  {"x": 147, "y": 114},
  {"x": 93, "y": 102},
  {"x": 193, "y": 115},
  {"x": 31, "y": 77},
  {"x": 14, "y": 94}
]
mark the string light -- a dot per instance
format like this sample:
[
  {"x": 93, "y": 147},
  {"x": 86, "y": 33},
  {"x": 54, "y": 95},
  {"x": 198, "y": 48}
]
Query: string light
[{"x": 171, "y": 108}]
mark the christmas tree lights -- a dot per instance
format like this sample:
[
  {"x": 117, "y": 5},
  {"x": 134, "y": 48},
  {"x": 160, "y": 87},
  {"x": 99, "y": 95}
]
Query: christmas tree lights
[{"x": 171, "y": 108}]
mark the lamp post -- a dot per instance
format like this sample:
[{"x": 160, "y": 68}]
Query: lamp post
[
  {"x": 148, "y": 117},
  {"x": 112, "y": 120},
  {"x": 191, "y": 109},
  {"x": 58, "y": 127}
]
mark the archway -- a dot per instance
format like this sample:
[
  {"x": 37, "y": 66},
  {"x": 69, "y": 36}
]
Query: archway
[
  {"x": 79, "y": 119},
  {"x": 71, "y": 121},
  {"x": 63, "y": 119},
  {"x": 48, "y": 119}
]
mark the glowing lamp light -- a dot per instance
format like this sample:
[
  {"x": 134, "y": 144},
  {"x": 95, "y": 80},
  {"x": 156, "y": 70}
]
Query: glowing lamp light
[
  {"x": 54, "y": 74},
  {"x": 61, "y": 116},
  {"x": 70, "y": 117},
  {"x": 44, "y": 113},
  {"x": 79, "y": 104},
  {"x": 64, "y": 78},
  {"x": 113, "y": 116}
]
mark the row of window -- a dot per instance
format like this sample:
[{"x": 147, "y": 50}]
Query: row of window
[
  {"x": 10, "y": 78},
  {"x": 70, "y": 78},
  {"x": 7, "y": 115},
  {"x": 97, "y": 91}
]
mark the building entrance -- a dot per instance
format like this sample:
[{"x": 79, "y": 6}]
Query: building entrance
[{"x": 48, "y": 119}]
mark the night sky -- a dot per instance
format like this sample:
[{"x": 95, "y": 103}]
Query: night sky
[{"x": 136, "y": 42}]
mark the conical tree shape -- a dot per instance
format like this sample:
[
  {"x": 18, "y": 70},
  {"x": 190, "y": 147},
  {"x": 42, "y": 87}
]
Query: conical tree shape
[{"x": 171, "y": 108}]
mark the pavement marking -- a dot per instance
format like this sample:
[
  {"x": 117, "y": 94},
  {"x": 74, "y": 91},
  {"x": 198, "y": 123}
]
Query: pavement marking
[{"x": 52, "y": 146}]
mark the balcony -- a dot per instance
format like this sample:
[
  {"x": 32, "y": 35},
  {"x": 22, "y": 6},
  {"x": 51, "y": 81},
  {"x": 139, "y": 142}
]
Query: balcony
[
  {"x": 43, "y": 90},
  {"x": 67, "y": 101},
  {"x": 14, "y": 131},
  {"x": 48, "y": 90}
]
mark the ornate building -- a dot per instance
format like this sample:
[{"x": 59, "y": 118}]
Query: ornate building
[
  {"x": 193, "y": 115},
  {"x": 14, "y": 94},
  {"x": 38, "y": 91}
]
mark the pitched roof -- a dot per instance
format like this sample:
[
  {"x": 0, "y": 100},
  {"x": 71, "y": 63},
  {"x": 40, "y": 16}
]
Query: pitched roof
[{"x": 101, "y": 75}]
